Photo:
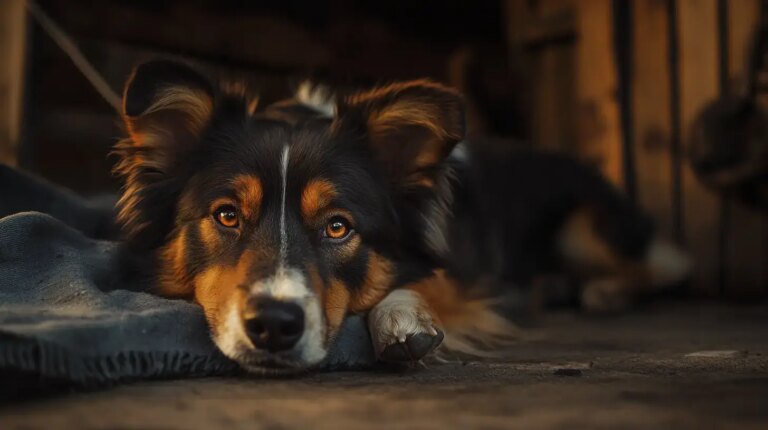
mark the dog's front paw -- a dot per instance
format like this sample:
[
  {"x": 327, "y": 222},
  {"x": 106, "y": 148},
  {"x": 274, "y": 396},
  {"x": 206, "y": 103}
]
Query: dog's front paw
[{"x": 402, "y": 328}]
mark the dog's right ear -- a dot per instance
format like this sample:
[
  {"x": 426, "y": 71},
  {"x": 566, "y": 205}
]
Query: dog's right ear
[{"x": 166, "y": 105}]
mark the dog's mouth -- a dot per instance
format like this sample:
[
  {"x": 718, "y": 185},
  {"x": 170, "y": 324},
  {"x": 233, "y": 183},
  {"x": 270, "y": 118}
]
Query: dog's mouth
[
  {"x": 306, "y": 354},
  {"x": 277, "y": 328},
  {"x": 257, "y": 363}
]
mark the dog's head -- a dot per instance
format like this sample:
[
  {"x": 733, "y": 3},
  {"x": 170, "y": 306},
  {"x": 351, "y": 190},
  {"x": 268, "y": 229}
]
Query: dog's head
[{"x": 279, "y": 221}]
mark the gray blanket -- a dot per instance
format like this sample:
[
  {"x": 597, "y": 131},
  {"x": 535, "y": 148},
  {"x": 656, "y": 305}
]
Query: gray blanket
[{"x": 67, "y": 319}]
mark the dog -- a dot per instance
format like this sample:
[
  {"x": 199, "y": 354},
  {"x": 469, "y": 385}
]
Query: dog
[{"x": 281, "y": 220}]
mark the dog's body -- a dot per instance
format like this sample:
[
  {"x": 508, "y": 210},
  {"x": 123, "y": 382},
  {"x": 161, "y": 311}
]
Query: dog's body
[
  {"x": 281, "y": 220},
  {"x": 544, "y": 213}
]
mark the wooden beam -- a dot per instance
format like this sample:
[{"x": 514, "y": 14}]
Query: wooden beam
[
  {"x": 599, "y": 134},
  {"x": 536, "y": 24},
  {"x": 553, "y": 99},
  {"x": 543, "y": 32},
  {"x": 190, "y": 29},
  {"x": 13, "y": 23},
  {"x": 699, "y": 85},
  {"x": 651, "y": 110}
]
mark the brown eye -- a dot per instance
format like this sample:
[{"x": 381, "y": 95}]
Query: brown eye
[
  {"x": 227, "y": 216},
  {"x": 337, "y": 228}
]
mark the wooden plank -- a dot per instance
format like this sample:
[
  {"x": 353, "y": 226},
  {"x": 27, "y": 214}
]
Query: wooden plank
[
  {"x": 747, "y": 244},
  {"x": 543, "y": 32},
  {"x": 699, "y": 85},
  {"x": 651, "y": 111},
  {"x": 12, "y": 43},
  {"x": 532, "y": 24},
  {"x": 743, "y": 17},
  {"x": 599, "y": 133},
  {"x": 192, "y": 29},
  {"x": 553, "y": 99},
  {"x": 518, "y": 15}
]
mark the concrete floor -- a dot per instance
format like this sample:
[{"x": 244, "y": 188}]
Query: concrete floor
[{"x": 669, "y": 366}]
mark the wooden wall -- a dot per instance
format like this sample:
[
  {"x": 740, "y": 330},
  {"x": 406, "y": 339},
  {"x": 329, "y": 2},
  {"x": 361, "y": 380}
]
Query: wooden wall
[
  {"x": 272, "y": 45},
  {"x": 613, "y": 82},
  {"x": 543, "y": 33},
  {"x": 12, "y": 49},
  {"x": 681, "y": 55}
]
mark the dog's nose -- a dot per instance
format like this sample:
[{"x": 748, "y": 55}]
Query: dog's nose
[{"x": 276, "y": 326}]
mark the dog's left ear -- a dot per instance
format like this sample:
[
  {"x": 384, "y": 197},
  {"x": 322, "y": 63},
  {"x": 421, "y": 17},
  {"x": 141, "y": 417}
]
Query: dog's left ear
[
  {"x": 411, "y": 127},
  {"x": 165, "y": 106}
]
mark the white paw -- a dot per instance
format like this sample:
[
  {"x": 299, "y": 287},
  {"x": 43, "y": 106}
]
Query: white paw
[{"x": 402, "y": 327}]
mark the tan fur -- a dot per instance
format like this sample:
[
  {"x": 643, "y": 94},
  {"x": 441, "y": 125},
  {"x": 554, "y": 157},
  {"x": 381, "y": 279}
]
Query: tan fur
[
  {"x": 210, "y": 237},
  {"x": 429, "y": 114},
  {"x": 317, "y": 195},
  {"x": 348, "y": 250},
  {"x": 315, "y": 280},
  {"x": 584, "y": 249},
  {"x": 173, "y": 274},
  {"x": 209, "y": 297},
  {"x": 613, "y": 281},
  {"x": 408, "y": 113},
  {"x": 250, "y": 193},
  {"x": 196, "y": 107},
  {"x": 152, "y": 132},
  {"x": 217, "y": 286},
  {"x": 471, "y": 325},
  {"x": 414, "y": 110},
  {"x": 378, "y": 281},
  {"x": 588, "y": 253},
  {"x": 127, "y": 203},
  {"x": 337, "y": 299}
]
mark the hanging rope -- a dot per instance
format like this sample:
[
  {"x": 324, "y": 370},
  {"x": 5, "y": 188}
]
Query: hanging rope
[{"x": 65, "y": 42}]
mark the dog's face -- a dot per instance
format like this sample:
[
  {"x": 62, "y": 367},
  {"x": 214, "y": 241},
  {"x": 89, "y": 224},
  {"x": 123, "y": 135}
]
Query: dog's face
[{"x": 278, "y": 223}]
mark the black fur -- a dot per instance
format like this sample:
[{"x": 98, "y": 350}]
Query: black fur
[
  {"x": 510, "y": 204},
  {"x": 506, "y": 208}
]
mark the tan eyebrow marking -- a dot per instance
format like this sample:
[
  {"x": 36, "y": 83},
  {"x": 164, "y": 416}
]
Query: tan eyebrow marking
[
  {"x": 316, "y": 196},
  {"x": 250, "y": 193}
]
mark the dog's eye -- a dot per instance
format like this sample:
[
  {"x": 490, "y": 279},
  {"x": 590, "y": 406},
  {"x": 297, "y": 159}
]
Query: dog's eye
[
  {"x": 337, "y": 228},
  {"x": 227, "y": 216}
]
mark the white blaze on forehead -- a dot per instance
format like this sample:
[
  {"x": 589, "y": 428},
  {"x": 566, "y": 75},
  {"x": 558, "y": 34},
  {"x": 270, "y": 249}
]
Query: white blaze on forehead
[
  {"x": 283, "y": 232},
  {"x": 286, "y": 284}
]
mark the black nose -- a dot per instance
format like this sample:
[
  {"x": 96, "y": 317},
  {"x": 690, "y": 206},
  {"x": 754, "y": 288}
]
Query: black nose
[{"x": 277, "y": 325}]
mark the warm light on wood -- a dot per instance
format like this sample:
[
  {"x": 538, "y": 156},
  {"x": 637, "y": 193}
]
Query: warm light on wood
[
  {"x": 597, "y": 114},
  {"x": 12, "y": 41}
]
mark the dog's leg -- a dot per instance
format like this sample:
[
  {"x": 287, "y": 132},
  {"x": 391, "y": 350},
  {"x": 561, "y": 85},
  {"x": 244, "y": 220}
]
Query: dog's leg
[
  {"x": 413, "y": 321},
  {"x": 403, "y": 328},
  {"x": 614, "y": 279}
]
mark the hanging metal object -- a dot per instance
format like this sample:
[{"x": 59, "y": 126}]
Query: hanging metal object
[{"x": 728, "y": 149}]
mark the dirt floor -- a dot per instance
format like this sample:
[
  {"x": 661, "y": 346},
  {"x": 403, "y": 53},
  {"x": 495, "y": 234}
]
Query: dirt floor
[{"x": 669, "y": 366}]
